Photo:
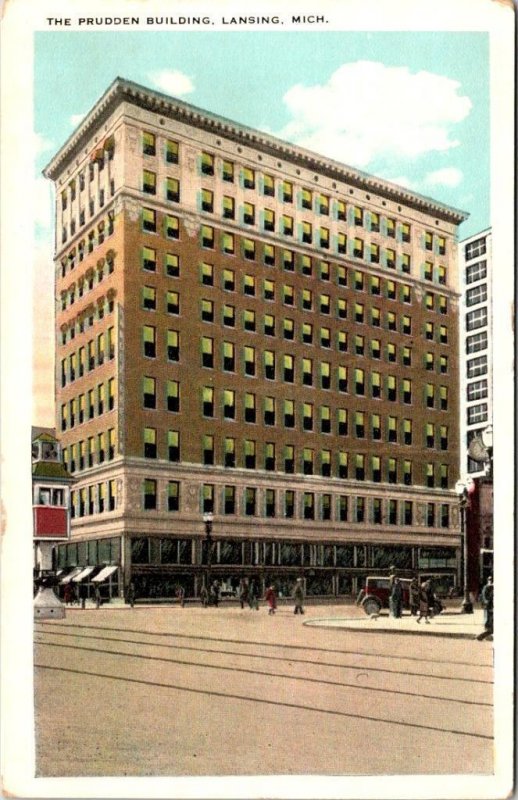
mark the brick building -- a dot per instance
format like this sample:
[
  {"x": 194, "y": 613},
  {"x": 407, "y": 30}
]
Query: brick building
[{"x": 247, "y": 328}]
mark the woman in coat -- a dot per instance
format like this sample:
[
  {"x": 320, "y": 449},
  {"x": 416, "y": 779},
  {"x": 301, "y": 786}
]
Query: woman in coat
[
  {"x": 271, "y": 599},
  {"x": 424, "y": 601}
]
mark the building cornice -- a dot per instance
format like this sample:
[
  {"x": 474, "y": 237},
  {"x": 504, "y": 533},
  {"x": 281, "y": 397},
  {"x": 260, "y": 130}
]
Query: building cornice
[{"x": 122, "y": 90}]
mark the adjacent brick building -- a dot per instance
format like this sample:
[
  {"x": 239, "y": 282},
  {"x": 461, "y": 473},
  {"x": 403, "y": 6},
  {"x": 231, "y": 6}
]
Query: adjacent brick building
[{"x": 247, "y": 328}]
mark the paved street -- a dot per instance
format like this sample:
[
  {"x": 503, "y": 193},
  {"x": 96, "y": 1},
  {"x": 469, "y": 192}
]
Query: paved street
[{"x": 172, "y": 691}]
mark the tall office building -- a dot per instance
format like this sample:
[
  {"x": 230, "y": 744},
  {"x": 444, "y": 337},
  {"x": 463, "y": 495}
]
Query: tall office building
[
  {"x": 249, "y": 329},
  {"x": 476, "y": 373}
]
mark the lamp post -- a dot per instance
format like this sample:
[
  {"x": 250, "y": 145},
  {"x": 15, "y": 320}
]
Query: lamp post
[
  {"x": 208, "y": 519},
  {"x": 487, "y": 441},
  {"x": 462, "y": 492}
]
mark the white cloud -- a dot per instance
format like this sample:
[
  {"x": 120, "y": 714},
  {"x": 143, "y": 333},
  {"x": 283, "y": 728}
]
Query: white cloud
[
  {"x": 172, "y": 81},
  {"x": 448, "y": 176},
  {"x": 368, "y": 111},
  {"x": 75, "y": 119}
]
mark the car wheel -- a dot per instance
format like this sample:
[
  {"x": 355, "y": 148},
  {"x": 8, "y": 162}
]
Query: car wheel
[{"x": 371, "y": 606}]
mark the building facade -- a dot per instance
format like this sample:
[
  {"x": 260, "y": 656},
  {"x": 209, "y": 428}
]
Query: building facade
[
  {"x": 249, "y": 329},
  {"x": 476, "y": 363},
  {"x": 50, "y": 500}
]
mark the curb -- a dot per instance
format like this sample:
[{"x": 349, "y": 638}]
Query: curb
[{"x": 321, "y": 623}]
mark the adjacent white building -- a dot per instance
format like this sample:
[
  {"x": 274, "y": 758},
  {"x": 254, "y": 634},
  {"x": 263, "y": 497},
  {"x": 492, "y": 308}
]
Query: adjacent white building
[{"x": 475, "y": 324}]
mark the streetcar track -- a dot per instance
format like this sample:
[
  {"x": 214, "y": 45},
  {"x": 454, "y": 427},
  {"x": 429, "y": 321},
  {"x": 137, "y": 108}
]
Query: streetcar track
[
  {"x": 245, "y": 670},
  {"x": 284, "y": 704},
  {"x": 368, "y": 654}
]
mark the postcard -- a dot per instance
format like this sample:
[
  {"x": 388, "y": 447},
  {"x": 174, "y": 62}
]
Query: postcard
[{"x": 257, "y": 372}]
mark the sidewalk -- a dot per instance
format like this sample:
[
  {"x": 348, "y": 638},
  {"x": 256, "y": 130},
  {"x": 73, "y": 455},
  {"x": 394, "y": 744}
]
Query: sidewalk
[{"x": 453, "y": 624}]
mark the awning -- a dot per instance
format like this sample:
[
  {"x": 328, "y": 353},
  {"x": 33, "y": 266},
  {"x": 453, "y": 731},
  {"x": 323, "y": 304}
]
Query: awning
[
  {"x": 71, "y": 575},
  {"x": 104, "y": 573},
  {"x": 83, "y": 574}
]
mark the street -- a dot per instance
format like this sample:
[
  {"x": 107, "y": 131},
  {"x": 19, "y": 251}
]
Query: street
[{"x": 155, "y": 691}]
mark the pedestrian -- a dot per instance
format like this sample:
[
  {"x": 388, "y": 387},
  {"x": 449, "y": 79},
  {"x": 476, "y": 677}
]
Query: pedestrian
[
  {"x": 97, "y": 595},
  {"x": 424, "y": 601},
  {"x": 271, "y": 599},
  {"x": 180, "y": 593},
  {"x": 243, "y": 592},
  {"x": 396, "y": 598},
  {"x": 392, "y": 576},
  {"x": 487, "y": 604},
  {"x": 68, "y": 594},
  {"x": 214, "y": 594},
  {"x": 82, "y": 594},
  {"x": 413, "y": 596},
  {"x": 131, "y": 594},
  {"x": 253, "y": 595},
  {"x": 298, "y": 596},
  {"x": 204, "y": 596}
]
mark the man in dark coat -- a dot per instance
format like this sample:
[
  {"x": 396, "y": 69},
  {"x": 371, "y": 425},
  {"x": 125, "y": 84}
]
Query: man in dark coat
[
  {"x": 487, "y": 605},
  {"x": 298, "y": 596},
  {"x": 396, "y": 598}
]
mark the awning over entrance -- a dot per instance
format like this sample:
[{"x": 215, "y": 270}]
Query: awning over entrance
[
  {"x": 103, "y": 574},
  {"x": 83, "y": 574},
  {"x": 71, "y": 575}
]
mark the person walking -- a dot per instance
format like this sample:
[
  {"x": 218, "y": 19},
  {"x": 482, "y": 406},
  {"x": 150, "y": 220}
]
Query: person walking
[
  {"x": 214, "y": 594},
  {"x": 204, "y": 596},
  {"x": 424, "y": 601},
  {"x": 396, "y": 598},
  {"x": 413, "y": 596},
  {"x": 271, "y": 599},
  {"x": 487, "y": 604},
  {"x": 97, "y": 595},
  {"x": 131, "y": 594},
  {"x": 243, "y": 592},
  {"x": 82, "y": 593},
  {"x": 180, "y": 593},
  {"x": 253, "y": 595},
  {"x": 298, "y": 596}
]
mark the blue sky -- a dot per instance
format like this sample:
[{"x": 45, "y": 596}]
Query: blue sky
[{"x": 410, "y": 107}]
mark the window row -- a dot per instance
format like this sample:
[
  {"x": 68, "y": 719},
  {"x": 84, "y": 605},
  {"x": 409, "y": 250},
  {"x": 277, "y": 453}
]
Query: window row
[
  {"x": 96, "y": 237},
  {"x": 307, "y": 417},
  {"x": 77, "y": 223},
  {"x": 91, "y": 451},
  {"x": 291, "y": 504},
  {"x": 98, "y": 160},
  {"x": 94, "y": 499},
  {"x": 93, "y": 354},
  {"x": 88, "y": 317},
  {"x": 88, "y": 405}
]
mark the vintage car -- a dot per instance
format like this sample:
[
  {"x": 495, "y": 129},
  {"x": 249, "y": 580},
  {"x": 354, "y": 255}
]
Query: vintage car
[{"x": 375, "y": 595}]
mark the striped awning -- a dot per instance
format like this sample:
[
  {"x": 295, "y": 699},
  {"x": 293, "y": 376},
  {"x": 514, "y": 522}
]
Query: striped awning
[
  {"x": 83, "y": 574},
  {"x": 104, "y": 573}
]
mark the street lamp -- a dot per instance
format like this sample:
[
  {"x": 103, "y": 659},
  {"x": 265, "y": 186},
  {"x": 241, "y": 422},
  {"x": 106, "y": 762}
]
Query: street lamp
[
  {"x": 208, "y": 519},
  {"x": 462, "y": 492},
  {"x": 487, "y": 441}
]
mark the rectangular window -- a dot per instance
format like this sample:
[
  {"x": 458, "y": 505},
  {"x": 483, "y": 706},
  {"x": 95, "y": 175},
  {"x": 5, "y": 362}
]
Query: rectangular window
[
  {"x": 171, "y": 152},
  {"x": 207, "y": 200},
  {"x": 229, "y": 316},
  {"x": 477, "y": 413},
  {"x": 248, "y": 178},
  {"x": 476, "y": 295},
  {"x": 172, "y": 227},
  {"x": 207, "y": 236},
  {"x": 150, "y": 448},
  {"x": 477, "y": 366},
  {"x": 149, "y": 182},
  {"x": 173, "y": 396},
  {"x": 269, "y": 220},
  {"x": 149, "y": 259},
  {"x": 289, "y": 504},
  {"x": 173, "y": 496},
  {"x": 208, "y": 450},
  {"x": 476, "y": 272},
  {"x": 207, "y": 164},
  {"x": 228, "y": 171},
  {"x": 229, "y": 280},
  {"x": 148, "y": 143},
  {"x": 474, "y": 249},
  {"x": 476, "y": 342},
  {"x": 149, "y": 341},
  {"x": 172, "y": 302},
  {"x": 229, "y": 404},
  {"x": 172, "y": 265},
  {"x": 173, "y": 445},
  {"x": 149, "y": 220},
  {"x": 150, "y": 494},
  {"x": 229, "y": 500},
  {"x": 149, "y": 298},
  {"x": 477, "y": 390},
  {"x": 476, "y": 319}
]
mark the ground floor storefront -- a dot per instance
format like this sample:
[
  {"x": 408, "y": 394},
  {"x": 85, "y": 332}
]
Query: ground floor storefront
[{"x": 159, "y": 566}]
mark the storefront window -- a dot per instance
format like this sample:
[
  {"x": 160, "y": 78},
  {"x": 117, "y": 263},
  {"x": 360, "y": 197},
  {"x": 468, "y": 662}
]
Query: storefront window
[
  {"x": 230, "y": 553},
  {"x": 290, "y": 554},
  {"x": 345, "y": 555},
  {"x": 385, "y": 557},
  {"x": 140, "y": 550}
]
